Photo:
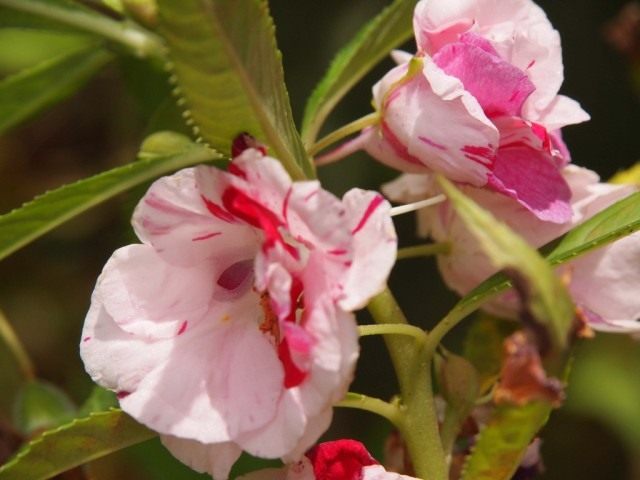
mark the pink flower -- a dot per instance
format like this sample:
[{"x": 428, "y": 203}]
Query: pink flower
[
  {"x": 337, "y": 460},
  {"x": 602, "y": 283},
  {"x": 479, "y": 103},
  {"x": 228, "y": 328}
]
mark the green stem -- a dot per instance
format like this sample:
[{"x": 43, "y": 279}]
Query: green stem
[
  {"x": 392, "y": 329},
  {"x": 15, "y": 347},
  {"x": 138, "y": 40},
  {"x": 453, "y": 318},
  {"x": 424, "y": 250},
  {"x": 451, "y": 426},
  {"x": 373, "y": 405},
  {"x": 419, "y": 422},
  {"x": 344, "y": 131}
]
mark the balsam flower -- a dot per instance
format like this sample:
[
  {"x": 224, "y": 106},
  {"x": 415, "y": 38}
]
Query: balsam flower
[
  {"x": 336, "y": 460},
  {"x": 479, "y": 103},
  {"x": 602, "y": 282},
  {"x": 229, "y": 327}
]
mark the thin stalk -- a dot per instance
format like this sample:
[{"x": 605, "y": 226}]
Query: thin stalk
[
  {"x": 419, "y": 422},
  {"x": 392, "y": 329},
  {"x": 412, "y": 207},
  {"x": 343, "y": 132},
  {"x": 423, "y": 250},
  {"x": 453, "y": 318},
  {"x": 141, "y": 42},
  {"x": 8, "y": 335},
  {"x": 374, "y": 405}
]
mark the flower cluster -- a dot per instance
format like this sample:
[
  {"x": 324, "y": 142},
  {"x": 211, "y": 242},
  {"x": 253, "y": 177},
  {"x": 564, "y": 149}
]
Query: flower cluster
[
  {"x": 479, "y": 103},
  {"x": 602, "y": 283},
  {"x": 230, "y": 327}
]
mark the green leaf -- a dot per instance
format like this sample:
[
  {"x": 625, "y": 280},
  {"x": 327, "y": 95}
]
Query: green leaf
[
  {"x": 543, "y": 294},
  {"x": 611, "y": 224},
  {"x": 41, "y": 405},
  {"x": 10, "y": 18},
  {"x": 73, "y": 444},
  {"x": 617, "y": 221},
  {"x": 503, "y": 441},
  {"x": 27, "y": 93},
  {"x": 71, "y": 14},
  {"x": 229, "y": 75},
  {"x": 165, "y": 152},
  {"x": 391, "y": 28},
  {"x": 99, "y": 400},
  {"x": 484, "y": 346}
]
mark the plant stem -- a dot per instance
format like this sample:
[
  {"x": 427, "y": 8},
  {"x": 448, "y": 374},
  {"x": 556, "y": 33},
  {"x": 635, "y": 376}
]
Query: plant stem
[
  {"x": 393, "y": 329},
  {"x": 412, "y": 207},
  {"x": 419, "y": 422},
  {"x": 373, "y": 405},
  {"x": 15, "y": 347},
  {"x": 423, "y": 250},
  {"x": 453, "y": 318},
  {"x": 141, "y": 42},
  {"x": 344, "y": 131}
]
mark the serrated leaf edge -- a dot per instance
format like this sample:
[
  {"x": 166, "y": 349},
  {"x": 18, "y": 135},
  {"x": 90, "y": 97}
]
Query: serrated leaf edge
[{"x": 26, "y": 449}]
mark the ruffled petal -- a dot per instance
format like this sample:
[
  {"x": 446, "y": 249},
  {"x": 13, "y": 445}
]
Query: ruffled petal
[
  {"x": 530, "y": 177},
  {"x": 374, "y": 247},
  {"x": 114, "y": 358},
  {"x": 498, "y": 86},
  {"x": 225, "y": 392},
  {"x": 184, "y": 226},
  {"x": 152, "y": 298},
  {"x": 215, "y": 459},
  {"x": 418, "y": 115},
  {"x": 562, "y": 111}
]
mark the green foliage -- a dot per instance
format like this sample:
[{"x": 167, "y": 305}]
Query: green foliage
[
  {"x": 53, "y": 208},
  {"x": 604, "y": 384},
  {"x": 73, "y": 15},
  {"x": 41, "y": 405},
  {"x": 372, "y": 43},
  {"x": 99, "y": 400},
  {"x": 27, "y": 93},
  {"x": 74, "y": 443},
  {"x": 22, "y": 48},
  {"x": 503, "y": 441},
  {"x": 542, "y": 291},
  {"x": 617, "y": 221},
  {"x": 611, "y": 224},
  {"x": 483, "y": 346},
  {"x": 229, "y": 74}
]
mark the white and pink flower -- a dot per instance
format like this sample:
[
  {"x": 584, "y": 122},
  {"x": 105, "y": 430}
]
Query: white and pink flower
[
  {"x": 479, "y": 103},
  {"x": 229, "y": 327},
  {"x": 602, "y": 283},
  {"x": 336, "y": 460}
]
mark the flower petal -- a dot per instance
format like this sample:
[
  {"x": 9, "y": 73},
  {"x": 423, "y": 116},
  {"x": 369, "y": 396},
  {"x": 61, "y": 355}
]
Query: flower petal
[
  {"x": 186, "y": 228},
  {"x": 418, "y": 115},
  {"x": 151, "y": 298},
  {"x": 499, "y": 87},
  {"x": 215, "y": 459},
  {"x": 547, "y": 196},
  {"x": 375, "y": 244}
]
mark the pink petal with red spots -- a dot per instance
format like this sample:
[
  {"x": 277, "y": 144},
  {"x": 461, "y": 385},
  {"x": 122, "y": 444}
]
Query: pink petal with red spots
[{"x": 151, "y": 298}]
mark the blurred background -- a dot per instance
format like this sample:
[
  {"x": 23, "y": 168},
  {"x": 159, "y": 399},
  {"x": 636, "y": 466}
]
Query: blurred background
[{"x": 45, "y": 287}]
